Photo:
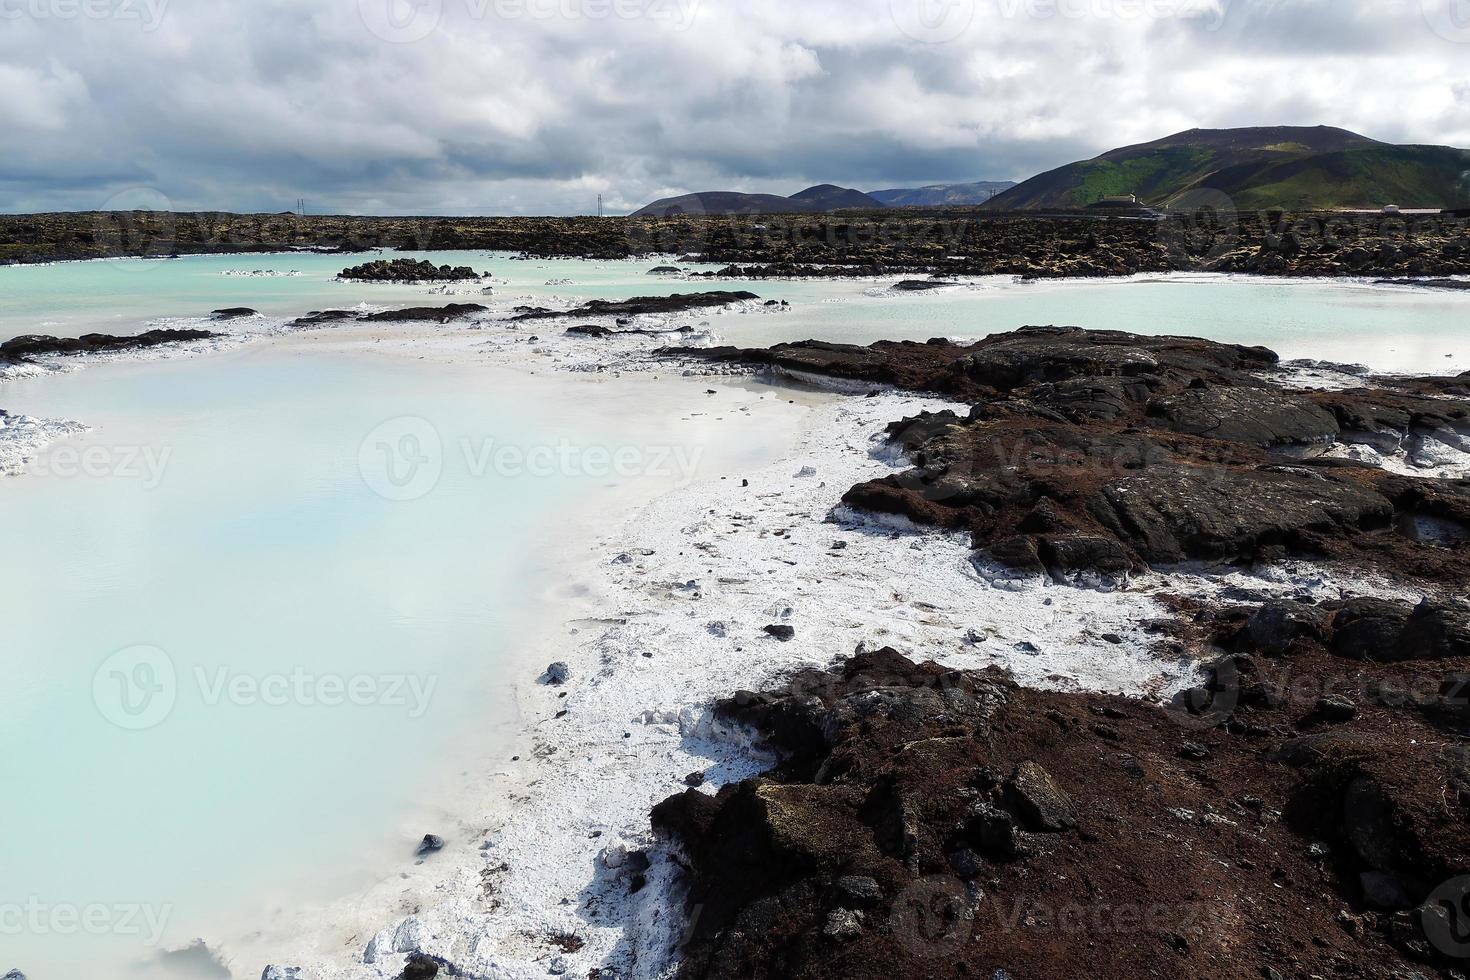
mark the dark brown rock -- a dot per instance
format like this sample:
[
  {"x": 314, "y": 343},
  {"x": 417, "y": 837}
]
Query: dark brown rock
[{"x": 21, "y": 348}]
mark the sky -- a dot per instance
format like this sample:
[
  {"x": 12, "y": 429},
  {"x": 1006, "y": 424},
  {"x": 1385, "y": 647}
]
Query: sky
[{"x": 539, "y": 106}]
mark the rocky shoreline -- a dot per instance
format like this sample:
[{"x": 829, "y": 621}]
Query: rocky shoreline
[
  {"x": 948, "y": 241},
  {"x": 1302, "y": 812},
  {"x": 22, "y": 349},
  {"x": 1097, "y": 453},
  {"x": 641, "y": 305}
]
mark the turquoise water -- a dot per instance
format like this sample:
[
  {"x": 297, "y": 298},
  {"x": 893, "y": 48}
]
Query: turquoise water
[
  {"x": 70, "y": 298},
  {"x": 277, "y": 557},
  {"x": 241, "y": 546},
  {"x": 1389, "y": 328}
]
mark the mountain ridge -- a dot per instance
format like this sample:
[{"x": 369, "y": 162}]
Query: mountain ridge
[
  {"x": 942, "y": 195},
  {"x": 1306, "y": 167},
  {"x": 825, "y": 197},
  {"x": 817, "y": 199}
]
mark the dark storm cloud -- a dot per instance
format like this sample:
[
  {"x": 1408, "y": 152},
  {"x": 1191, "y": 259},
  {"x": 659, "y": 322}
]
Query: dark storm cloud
[{"x": 537, "y": 106}]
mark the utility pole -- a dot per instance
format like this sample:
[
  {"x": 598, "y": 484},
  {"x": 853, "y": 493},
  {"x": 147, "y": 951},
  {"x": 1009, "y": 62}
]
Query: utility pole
[{"x": 599, "y": 205}]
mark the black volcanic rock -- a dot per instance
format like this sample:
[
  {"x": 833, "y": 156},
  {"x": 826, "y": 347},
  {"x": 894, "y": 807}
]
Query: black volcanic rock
[
  {"x": 408, "y": 270},
  {"x": 1223, "y": 514},
  {"x": 947, "y": 241},
  {"x": 594, "y": 330},
  {"x": 676, "y": 303},
  {"x": 323, "y": 316},
  {"x": 1097, "y": 453},
  {"x": 1260, "y": 417},
  {"x": 431, "y": 314},
  {"x": 921, "y": 285},
  {"x": 914, "y": 805},
  {"x": 590, "y": 330},
  {"x": 20, "y": 348}
]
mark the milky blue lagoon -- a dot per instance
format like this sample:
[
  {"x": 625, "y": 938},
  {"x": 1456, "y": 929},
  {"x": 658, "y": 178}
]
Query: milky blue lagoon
[
  {"x": 244, "y": 546},
  {"x": 1390, "y": 328}
]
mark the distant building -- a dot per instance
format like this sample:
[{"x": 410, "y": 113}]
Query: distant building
[
  {"x": 1120, "y": 199},
  {"x": 1391, "y": 209}
]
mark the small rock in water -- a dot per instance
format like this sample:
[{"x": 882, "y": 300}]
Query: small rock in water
[
  {"x": 558, "y": 967},
  {"x": 806, "y": 471},
  {"x": 557, "y": 674},
  {"x": 1028, "y": 648},
  {"x": 782, "y": 633},
  {"x": 715, "y": 629},
  {"x": 695, "y": 779},
  {"x": 430, "y": 844},
  {"x": 271, "y": 973},
  {"x": 839, "y": 545}
]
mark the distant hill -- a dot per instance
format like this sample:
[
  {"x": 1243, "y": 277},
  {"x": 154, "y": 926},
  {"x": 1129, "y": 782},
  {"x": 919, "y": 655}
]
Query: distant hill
[
  {"x": 823, "y": 197},
  {"x": 942, "y": 195},
  {"x": 1258, "y": 167}
]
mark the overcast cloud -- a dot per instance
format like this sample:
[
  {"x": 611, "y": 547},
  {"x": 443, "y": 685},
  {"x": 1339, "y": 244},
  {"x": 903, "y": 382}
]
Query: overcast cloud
[{"x": 537, "y": 106}]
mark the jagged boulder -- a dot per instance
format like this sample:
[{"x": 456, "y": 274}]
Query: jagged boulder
[{"x": 1040, "y": 800}]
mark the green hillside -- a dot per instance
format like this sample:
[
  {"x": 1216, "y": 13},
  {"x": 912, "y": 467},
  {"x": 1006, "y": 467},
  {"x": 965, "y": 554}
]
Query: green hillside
[{"x": 1261, "y": 167}]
